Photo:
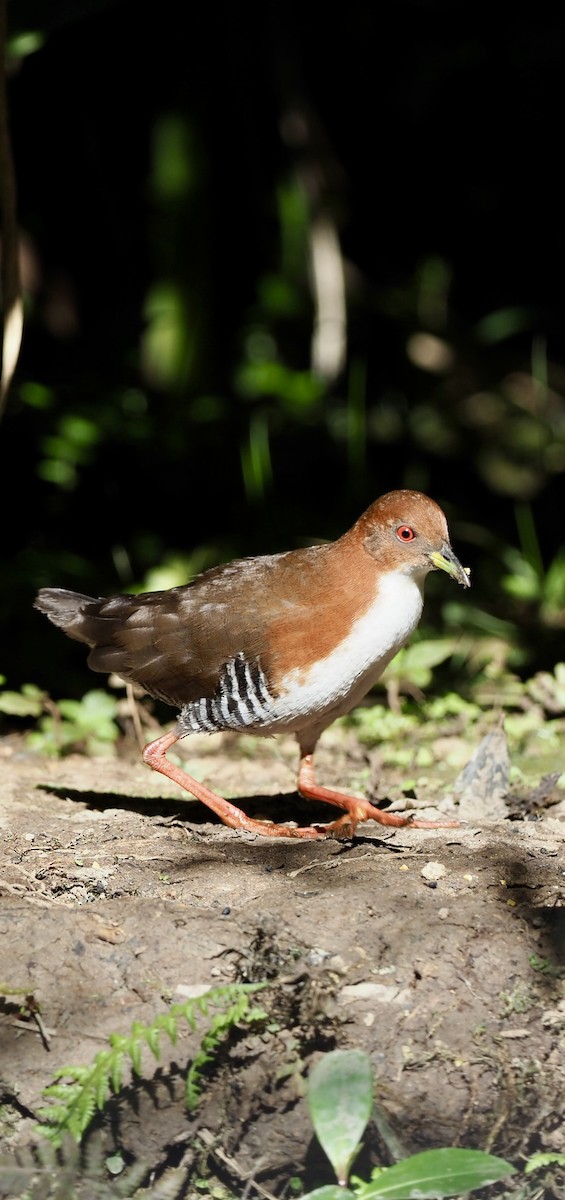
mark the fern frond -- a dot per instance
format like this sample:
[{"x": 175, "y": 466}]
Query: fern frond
[
  {"x": 116, "y": 1069},
  {"x": 79, "y": 1091},
  {"x": 134, "y": 1050},
  {"x": 211, "y": 1042},
  {"x": 151, "y": 1035},
  {"x": 168, "y": 1023}
]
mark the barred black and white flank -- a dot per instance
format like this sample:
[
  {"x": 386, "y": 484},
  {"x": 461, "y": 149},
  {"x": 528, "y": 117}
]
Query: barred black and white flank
[{"x": 241, "y": 701}]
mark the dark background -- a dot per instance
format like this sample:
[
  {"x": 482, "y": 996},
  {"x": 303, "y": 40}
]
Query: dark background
[{"x": 171, "y": 163}]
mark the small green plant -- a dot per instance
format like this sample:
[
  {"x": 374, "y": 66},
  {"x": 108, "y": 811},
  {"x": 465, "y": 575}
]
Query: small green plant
[
  {"x": 519, "y": 1000},
  {"x": 527, "y": 580},
  {"x": 88, "y": 724},
  {"x": 82, "y": 1090},
  {"x": 538, "y": 1162},
  {"x": 380, "y": 724},
  {"x": 411, "y": 669},
  {"x": 340, "y": 1101},
  {"x": 28, "y": 702},
  {"x": 546, "y": 967}
]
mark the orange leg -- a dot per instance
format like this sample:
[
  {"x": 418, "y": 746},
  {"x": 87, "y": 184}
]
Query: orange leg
[
  {"x": 155, "y": 756},
  {"x": 356, "y": 810}
]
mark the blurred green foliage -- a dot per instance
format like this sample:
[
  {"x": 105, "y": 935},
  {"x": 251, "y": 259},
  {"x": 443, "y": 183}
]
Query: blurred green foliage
[
  {"x": 413, "y": 732},
  {"x": 187, "y": 226},
  {"x": 88, "y": 724}
]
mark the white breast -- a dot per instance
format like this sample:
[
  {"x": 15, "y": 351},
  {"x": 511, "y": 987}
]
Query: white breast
[{"x": 343, "y": 678}]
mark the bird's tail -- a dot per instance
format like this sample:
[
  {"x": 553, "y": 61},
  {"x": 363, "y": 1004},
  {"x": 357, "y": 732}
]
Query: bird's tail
[{"x": 68, "y": 610}]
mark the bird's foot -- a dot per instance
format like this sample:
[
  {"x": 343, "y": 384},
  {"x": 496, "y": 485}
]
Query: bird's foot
[{"x": 357, "y": 810}]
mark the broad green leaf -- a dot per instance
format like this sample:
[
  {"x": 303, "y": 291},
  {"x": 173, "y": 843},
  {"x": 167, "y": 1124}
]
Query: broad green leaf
[
  {"x": 435, "y": 1174},
  {"x": 99, "y": 703},
  {"x": 504, "y": 323},
  {"x": 71, "y": 709},
  {"x": 340, "y": 1098},
  {"x": 15, "y": 704},
  {"x": 422, "y": 654}
]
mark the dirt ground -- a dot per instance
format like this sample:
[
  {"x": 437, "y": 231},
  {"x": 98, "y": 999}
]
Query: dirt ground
[{"x": 441, "y": 953}]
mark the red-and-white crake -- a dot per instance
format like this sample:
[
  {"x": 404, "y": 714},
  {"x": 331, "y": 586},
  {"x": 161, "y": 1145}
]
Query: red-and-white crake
[{"x": 279, "y": 644}]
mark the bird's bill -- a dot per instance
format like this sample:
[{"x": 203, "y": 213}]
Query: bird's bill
[{"x": 446, "y": 560}]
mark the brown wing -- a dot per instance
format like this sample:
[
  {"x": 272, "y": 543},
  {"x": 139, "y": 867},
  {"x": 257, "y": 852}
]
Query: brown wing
[{"x": 175, "y": 643}]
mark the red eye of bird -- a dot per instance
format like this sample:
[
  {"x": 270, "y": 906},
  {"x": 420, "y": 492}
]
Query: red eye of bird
[{"x": 405, "y": 534}]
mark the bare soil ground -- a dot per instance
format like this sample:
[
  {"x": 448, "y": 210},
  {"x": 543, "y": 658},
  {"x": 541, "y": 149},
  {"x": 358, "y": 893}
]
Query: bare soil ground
[{"x": 441, "y": 953}]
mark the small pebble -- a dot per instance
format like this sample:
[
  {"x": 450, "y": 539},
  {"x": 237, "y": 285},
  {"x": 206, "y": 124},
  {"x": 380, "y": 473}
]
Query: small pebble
[
  {"x": 316, "y": 956},
  {"x": 433, "y": 870}
]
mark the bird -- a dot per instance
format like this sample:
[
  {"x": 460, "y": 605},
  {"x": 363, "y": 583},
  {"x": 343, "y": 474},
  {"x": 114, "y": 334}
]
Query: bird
[{"x": 280, "y": 643}]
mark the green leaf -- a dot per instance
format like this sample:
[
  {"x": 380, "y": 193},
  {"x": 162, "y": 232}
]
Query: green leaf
[
  {"x": 340, "y": 1098},
  {"x": 16, "y": 704},
  {"x": 425, "y": 654},
  {"x": 504, "y": 323},
  {"x": 536, "y": 1161},
  {"x": 554, "y": 584},
  {"x": 134, "y": 1051},
  {"x": 435, "y": 1174},
  {"x": 71, "y": 709},
  {"x": 101, "y": 1090},
  {"x": 170, "y": 1025},
  {"x": 99, "y": 704},
  {"x": 524, "y": 581},
  {"x": 116, "y": 1071},
  {"x": 151, "y": 1035}
]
